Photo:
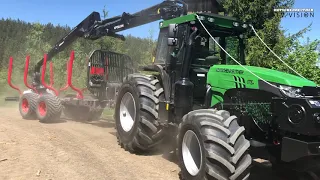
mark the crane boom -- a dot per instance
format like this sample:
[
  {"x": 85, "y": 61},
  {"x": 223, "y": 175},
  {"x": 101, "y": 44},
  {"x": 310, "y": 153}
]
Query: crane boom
[{"x": 93, "y": 27}]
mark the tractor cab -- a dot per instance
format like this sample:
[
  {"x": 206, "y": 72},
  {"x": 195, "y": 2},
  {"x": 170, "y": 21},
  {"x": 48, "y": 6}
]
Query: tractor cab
[{"x": 174, "y": 54}]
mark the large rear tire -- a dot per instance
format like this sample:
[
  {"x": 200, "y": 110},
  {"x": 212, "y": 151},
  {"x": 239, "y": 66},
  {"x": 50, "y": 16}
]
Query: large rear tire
[
  {"x": 136, "y": 113},
  {"x": 211, "y": 145},
  {"x": 27, "y": 106},
  {"x": 49, "y": 108}
]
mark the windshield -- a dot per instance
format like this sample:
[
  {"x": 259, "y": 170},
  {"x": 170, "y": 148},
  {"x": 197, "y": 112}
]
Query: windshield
[
  {"x": 231, "y": 44},
  {"x": 205, "y": 49}
]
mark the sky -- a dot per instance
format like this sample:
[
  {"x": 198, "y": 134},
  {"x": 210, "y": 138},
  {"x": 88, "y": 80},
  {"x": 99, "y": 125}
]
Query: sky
[{"x": 72, "y": 12}]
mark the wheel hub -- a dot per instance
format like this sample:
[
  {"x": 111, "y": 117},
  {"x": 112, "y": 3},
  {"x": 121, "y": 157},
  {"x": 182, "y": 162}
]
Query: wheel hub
[
  {"x": 127, "y": 112},
  {"x": 25, "y": 105},
  {"x": 191, "y": 153},
  {"x": 42, "y": 108}
]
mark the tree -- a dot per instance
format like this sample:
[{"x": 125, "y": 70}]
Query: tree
[
  {"x": 18, "y": 39},
  {"x": 260, "y": 13}
]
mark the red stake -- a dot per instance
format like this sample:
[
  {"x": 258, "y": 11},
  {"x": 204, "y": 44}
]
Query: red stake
[
  {"x": 80, "y": 94},
  {"x": 9, "y": 76},
  {"x": 67, "y": 85},
  {"x": 25, "y": 75},
  {"x": 44, "y": 66},
  {"x": 51, "y": 74}
]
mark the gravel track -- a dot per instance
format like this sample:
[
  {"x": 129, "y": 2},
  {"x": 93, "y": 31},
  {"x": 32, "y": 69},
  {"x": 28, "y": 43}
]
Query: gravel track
[{"x": 77, "y": 150}]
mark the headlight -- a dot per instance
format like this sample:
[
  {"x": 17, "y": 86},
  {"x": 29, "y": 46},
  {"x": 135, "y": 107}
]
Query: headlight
[
  {"x": 293, "y": 92},
  {"x": 296, "y": 114}
]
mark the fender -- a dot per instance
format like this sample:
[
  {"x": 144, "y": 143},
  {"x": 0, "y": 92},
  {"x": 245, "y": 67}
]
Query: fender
[{"x": 164, "y": 78}]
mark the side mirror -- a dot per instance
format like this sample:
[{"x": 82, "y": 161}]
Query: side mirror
[
  {"x": 172, "y": 41},
  {"x": 173, "y": 30}
]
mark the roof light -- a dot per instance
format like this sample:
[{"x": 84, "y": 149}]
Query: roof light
[
  {"x": 245, "y": 26},
  {"x": 211, "y": 19},
  {"x": 202, "y": 18},
  {"x": 236, "y": 24}
]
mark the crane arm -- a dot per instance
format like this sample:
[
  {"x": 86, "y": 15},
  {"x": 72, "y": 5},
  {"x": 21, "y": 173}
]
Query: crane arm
[{"x": 93, "y": 27}]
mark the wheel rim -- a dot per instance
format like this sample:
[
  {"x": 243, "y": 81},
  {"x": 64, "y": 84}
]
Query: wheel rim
[
  {"x": 25, "y": 105},
  {"x": 191, "y": 153},
  {"x": 127, "y": 112},
  {"x": 42, "y": 108}
]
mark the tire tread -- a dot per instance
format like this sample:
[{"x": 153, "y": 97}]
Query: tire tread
[
  {"x": 53, "y": 107},
  {"x": 32, "y": 100},
  {"x": 149, "y": 132},
  {"x": 229, "y": 159}
]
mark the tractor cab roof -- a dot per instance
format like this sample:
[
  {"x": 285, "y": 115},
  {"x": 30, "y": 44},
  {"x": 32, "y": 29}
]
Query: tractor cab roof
[{"x": 213, "y": 22}]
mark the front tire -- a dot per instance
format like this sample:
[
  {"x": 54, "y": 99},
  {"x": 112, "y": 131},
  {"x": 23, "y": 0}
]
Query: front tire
[
  {"x": 49, "y": 108},
  {"x": 211, "y": 145},
  {"x": 27, "y": 106},
  {"x": 136, "y": 113}
]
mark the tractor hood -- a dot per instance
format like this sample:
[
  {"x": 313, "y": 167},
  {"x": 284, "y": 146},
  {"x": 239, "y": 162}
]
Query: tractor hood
[{"x": 269, "y": 75}]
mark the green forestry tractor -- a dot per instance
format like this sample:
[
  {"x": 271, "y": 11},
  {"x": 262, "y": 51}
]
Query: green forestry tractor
[
  {"x": 217, "y": 111},
  {"x": 213, "y": 111}
]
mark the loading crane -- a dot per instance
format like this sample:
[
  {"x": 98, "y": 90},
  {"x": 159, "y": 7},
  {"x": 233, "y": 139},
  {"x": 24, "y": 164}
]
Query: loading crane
[{"x": 93, "y": 28}]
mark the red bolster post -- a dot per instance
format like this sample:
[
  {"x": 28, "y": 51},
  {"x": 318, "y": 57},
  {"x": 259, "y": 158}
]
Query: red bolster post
[
  {"x": 67, "y": 85},
  {"x": 9, "y": 76},
  {"x": 44, "y": 66},
  {"x": 80, "y": 94},
  {"x": 25, "y": 75},
  {"x": 51, "y": 74}
]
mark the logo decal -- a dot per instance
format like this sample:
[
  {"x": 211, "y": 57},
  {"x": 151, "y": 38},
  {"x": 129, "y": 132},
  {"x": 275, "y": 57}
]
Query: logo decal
[
  {"x": 119, "y": 26},
  {"x": 232, "y": 71},
  {"x": 316, "y": 103},
  {"x": 250, "y": 82},
  {"x": 239, "y": 82}
]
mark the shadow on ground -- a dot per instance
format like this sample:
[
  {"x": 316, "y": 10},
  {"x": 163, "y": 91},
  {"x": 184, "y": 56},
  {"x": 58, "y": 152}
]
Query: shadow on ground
[
  {"x": 261, "y": 169},
  {"x": 103, "y": 123},
  {"x": 56, "y": 121}
]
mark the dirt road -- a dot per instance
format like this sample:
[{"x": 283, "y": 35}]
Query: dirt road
[{"x": 76, "y": 150}]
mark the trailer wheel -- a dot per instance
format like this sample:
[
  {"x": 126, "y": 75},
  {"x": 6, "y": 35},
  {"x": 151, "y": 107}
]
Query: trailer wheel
[
  {"x": 95, "y": 114},
  {"x": 27, "y": 106},
  {"x": 211, "y": 145},
  {"x": 136, "y": 113},
  {"x": 78, "y": 113},
  {"x": 49, "y": 108}
]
